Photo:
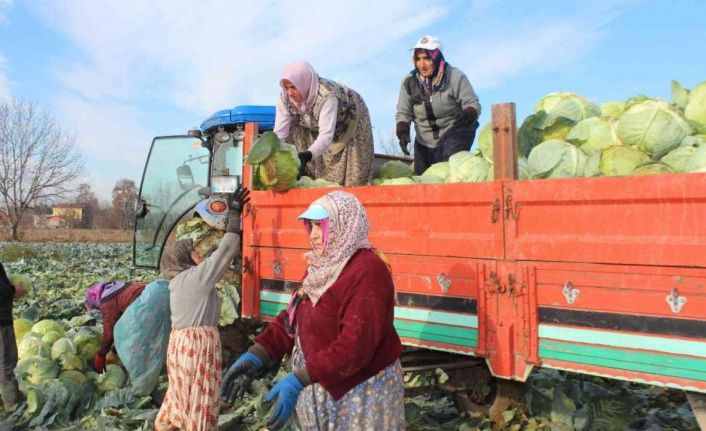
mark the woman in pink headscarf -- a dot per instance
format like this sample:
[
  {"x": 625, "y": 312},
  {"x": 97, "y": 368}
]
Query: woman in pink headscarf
[
  {"x": 338, "y": 328},
  {"x": 328, "y": 123}
]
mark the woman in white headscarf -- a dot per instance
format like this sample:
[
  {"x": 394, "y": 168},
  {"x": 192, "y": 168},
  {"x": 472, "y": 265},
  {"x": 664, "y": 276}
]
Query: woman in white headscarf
[
  {"x": 346, "y": 373},
  {"x": 328, "y": 123}
]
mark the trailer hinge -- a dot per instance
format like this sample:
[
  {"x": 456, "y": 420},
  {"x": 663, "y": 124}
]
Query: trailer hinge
[
  {"x": 511, "y": 210},
  {"x": 277, "y": 268},
  {"x": 570, "y": 292},
  {"x": 675, "y": 301},
  {"x": 493, "y": 284},
  {"x": 246, "y": 264},
  {"x": 495, "y": 212}
]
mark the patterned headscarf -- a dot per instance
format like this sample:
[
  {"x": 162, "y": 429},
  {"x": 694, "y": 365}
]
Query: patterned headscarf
[
  {"x": 178, "y": 258},
  {"x": 303, "y": 76},
  {"x": 348, "y": 232},
  {"x": 436, "y": 81}
]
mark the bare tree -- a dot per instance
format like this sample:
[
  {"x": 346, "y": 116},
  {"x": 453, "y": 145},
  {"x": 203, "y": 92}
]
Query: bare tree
[
  {"x": 88, "y": 201},
  {"x": 124, "y": 202},
  {"x": 38, "y": 160}
]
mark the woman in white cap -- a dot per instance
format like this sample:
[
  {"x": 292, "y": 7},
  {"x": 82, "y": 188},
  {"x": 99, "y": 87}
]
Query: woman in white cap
[
  {"x": 328, "y": 123},
  {"x": 441, "y": 102},
  {"x": 346, "y": 373}
]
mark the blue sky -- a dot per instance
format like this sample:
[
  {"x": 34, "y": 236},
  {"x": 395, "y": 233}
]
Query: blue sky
[{"x": 118, "y": 73}]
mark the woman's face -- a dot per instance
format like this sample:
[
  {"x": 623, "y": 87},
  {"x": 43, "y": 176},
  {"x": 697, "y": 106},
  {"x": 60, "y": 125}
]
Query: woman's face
[
  {"x": 423, "y": 63},
  {"x": 316, "y": 237},
  {"x": 292, "y": 92}
]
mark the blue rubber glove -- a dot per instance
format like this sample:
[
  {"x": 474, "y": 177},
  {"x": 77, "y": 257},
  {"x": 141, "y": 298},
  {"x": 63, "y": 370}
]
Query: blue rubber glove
[
  {"x": 286, "y": 391},
  {"x": 239, "y": 376}
]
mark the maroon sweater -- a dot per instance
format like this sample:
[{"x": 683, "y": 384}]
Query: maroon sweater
[
  {"x": 113, "y": 308},
  {"x": 348, "y": 336}
]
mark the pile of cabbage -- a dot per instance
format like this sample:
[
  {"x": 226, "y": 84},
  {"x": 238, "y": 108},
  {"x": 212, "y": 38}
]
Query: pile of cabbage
[{"x": 570, "y": 136}]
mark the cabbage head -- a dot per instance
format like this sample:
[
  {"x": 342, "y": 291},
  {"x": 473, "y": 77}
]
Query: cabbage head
[
  {"x": 612, "y": 109},
  {"x": 48, "y": 325},
  {"x": 321, "y": 182},
  {"x": 568, "y": 105},
  {"x": 21, "y": 327},
  {"x": 395, "y": 169},
  {"x": 32, "y": 346},
  {"x": 471, "y": 170},
  {"x": 304, "y": 182},
  {"x": 622, "y": 160},
  {"x": 87, "y": 342},
  {"x": 680, "y": 95},
  {"x": 593, "y": 166},
  {"x": 36, "y": 369},
  {"x": 72, "y": 376},
  {"x": 280, "y": 170},
  {"x": 50, "y": 338},
  {"x": 652, "y": 169},
  {"x": 697, "y": 162},
  {"x": 62, "y": 347},
  {"x": 71, "y": 361},
  {"x": 485, "y": 141},
  {"x": 593, "y": 134},
  {"x": 680, "y": 157},
  {"x": 695, "y": 109},
  {"x": 556, "y": 159},
  {"x": 652, "y": 127},
  {"x": 262, "y": 148},
  {"x": 113, "y": 378},
  {"x": 440, "y": 170},
  {"x": 553, "y": 117},
  {"x": 458, "y": 174},
  {"x": 427, "y": 179},
  {"x": 397, "y": 181}
]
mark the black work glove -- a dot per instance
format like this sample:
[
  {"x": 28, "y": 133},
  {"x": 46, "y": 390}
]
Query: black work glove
[
  {"x": 403, "y": 135},
  {"x": 237, "y": 203},
  {"x": 239, "y": 376},
  {"x": 466, "y": 117},
  {"x": 304, "y": 157}
]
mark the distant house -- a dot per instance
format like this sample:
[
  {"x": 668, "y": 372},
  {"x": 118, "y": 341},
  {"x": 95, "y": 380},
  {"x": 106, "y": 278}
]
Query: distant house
[
  {"x": 71, "y": 213},
  {"x": 54, "y": 221}
]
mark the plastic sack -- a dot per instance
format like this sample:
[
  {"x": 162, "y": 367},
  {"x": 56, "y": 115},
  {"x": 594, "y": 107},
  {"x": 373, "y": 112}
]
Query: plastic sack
[{"x": 142, "y": 336}]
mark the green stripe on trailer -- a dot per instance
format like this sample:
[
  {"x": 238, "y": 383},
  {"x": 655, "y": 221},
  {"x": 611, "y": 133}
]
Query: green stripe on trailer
[
  {"x": 441, "y": 334},
  {"x": 271, "y": 308},
  {"x": 274, "y": 297},
  {"x": 665, "y": 365},
  {"x": 617, "y": 339}
]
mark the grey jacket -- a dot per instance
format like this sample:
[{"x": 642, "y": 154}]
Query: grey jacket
[
  {"x": 193, "y": 298},
  {"x": 431, "y": 124}
]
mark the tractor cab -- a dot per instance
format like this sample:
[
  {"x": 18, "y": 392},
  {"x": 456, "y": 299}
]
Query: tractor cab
[{"x": 192, "y": 173}]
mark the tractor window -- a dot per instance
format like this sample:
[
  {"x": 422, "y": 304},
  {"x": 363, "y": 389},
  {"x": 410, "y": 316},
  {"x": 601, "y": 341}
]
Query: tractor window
[{"x": 177, "y": 167}]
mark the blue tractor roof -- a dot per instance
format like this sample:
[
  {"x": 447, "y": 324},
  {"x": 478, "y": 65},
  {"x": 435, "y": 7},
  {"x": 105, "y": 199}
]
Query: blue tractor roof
[{"x": 264, "y": 116}]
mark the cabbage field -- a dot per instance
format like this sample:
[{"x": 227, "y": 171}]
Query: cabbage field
[{"x": 57, "y": 339}]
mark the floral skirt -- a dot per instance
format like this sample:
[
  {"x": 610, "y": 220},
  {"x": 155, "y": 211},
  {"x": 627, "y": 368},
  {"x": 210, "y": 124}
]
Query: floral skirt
[
  {"x": 376, "y": 404},
  {"x": 194, "y": 371}
]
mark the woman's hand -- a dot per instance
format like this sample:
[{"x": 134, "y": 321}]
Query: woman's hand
[
  {"x": 238, "y": 201},
  {"x": 286, "y": 391},
  {"x": 239, "y": 376},
  {"x": 403, "y": 135},
  {"x": 304, "y": 158}
]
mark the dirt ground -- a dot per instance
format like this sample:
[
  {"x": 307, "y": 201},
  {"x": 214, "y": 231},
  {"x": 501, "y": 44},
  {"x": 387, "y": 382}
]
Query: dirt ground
[{"x": 70, "y": 235}]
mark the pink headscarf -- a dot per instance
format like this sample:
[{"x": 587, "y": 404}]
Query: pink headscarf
[
  {"x": 93, "y": 295},
  {"x": 303, "y": 76},
  {"x": 348, "y": 232}
]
